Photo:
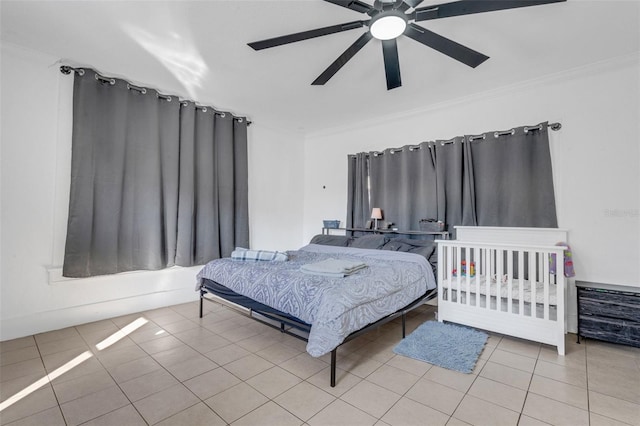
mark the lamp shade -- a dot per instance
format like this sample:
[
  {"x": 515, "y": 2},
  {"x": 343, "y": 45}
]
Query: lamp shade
[{"x": 376, "y": 213}]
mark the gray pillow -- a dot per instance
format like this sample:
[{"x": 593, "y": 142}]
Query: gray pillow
[
  {"x": 369, "y": 241},
  {"x": 415, "y": 243},
  {"x": 426, "y": 251},
  {"x": 331, "y": 240},
  {"x": 396, "y": 245}
]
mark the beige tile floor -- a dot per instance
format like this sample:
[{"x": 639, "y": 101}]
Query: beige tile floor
[{"x": 177, "y": 369}]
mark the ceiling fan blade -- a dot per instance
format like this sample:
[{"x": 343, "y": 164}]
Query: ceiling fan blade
[
  {"x": 408, "y": 4},
  {"x": 356, "y": 5},
  {"x": 391, "y": 63},
  {"x": 342, "y": 59},
  {"x": 444, "y": 45},
  {"x": 468, "y": 7},
  {"x": 305, "y": 35}
]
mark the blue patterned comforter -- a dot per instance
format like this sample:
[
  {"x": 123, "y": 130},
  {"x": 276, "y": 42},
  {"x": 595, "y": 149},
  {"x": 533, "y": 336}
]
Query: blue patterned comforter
[{"x": 335, "y": 307}]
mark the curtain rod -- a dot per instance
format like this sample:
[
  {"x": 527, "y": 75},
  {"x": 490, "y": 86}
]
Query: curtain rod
[
  {"x": 553, "y": 126},
  {"x": 66, "y": 69}
]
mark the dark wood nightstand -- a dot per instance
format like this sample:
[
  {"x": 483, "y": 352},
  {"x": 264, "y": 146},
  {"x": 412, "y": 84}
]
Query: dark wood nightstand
[{"x": 609, "y": 312}]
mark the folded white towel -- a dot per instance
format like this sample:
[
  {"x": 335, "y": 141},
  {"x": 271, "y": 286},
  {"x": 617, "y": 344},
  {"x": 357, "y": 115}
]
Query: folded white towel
[
  {"x": 243, "y": 254},
  {"x": 333, "y": 267}
]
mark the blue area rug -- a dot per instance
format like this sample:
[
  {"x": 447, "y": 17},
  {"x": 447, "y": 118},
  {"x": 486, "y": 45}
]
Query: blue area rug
[{"x": 450, "y": 346}]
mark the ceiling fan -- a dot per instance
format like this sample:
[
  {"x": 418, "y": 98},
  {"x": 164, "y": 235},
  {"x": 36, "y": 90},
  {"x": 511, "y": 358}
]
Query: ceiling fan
[{"x": 389, "y": 19}]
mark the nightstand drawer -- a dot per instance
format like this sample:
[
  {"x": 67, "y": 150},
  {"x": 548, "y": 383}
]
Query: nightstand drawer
[
  {"x": 617, "y": 307},
  {"x": 610, "y": 330}
]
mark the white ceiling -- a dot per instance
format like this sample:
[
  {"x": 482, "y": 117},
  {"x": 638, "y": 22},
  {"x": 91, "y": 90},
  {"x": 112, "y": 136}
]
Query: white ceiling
[{"x": 198, "y": 49}]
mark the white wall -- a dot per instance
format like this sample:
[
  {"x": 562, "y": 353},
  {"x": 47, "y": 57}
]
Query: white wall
[
  {"x": 596, "y": 160},
  {"x": 275, "y": 189},
  {"x": 35, "y": 165},
  {"x": 596, "y": 157}
]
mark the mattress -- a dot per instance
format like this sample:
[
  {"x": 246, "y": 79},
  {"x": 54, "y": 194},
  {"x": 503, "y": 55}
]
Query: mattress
[
  {"x": 335, "y": 307},
  {"x": 504, "y": 291}
]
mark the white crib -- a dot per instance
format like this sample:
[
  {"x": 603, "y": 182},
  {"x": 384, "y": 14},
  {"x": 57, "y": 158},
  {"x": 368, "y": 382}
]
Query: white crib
[{"x": 499, "y": 279}]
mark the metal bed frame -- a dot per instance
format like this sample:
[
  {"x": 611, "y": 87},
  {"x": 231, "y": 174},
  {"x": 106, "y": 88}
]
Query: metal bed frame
[{"x": 287, "y": 323}]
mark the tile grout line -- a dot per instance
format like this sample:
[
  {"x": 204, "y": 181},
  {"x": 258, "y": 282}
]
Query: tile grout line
[
  {"x": 529, "y": 393},
  {"x": 172, "y": 375},
  {"x": 122, "y": 390},
  {"x": 269, "y": 399}
]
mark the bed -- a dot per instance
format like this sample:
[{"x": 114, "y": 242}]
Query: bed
[
  {"x": 506, "y": 280},
  {"x": 327, "y": 311}
]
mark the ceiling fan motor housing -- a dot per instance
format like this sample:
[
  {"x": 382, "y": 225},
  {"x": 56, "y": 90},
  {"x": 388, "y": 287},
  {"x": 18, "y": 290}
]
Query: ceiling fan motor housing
[{"x": 388, "y": 25}]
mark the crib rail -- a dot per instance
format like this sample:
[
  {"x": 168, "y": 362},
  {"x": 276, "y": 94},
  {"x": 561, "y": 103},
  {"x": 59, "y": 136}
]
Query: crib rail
[{"x": 508, "y": 288}]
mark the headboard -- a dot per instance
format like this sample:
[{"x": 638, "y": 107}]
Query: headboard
[{"x": 509, "y": 235}]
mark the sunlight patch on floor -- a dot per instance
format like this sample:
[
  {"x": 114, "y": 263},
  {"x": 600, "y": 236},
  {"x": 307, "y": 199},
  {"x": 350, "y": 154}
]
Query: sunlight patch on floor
[{"x": 114, "y": 338}]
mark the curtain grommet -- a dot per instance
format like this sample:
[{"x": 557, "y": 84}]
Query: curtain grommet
[
  {"x": 510, "y": 132},
  {"x": 141, "y": 90},
  {"x": 111, "y": 81},
  {"x": 527, "y": 129}
]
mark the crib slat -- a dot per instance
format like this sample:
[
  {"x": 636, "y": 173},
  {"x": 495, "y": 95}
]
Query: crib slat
[
  {"x": 532, "y": 282},
  {"x": 459, "y": 273},
  {"x": 509, "y": 280},
  {"x": 476, "y": 259},
  {"x": 485, "y": 271},
  {"x": 448, "y": 271},
  {"x": 560, "y": 296},
  {"x": 545, "y": 272},
  {"x": 499, "y": 273},
  {"x": 521, "y": 281},
  {"x": 488, "y": 253},
  {"x": 467, "y": 256}
]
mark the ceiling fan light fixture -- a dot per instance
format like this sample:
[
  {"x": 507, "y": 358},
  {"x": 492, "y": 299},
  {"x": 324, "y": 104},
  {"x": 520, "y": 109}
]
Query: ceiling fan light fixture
[{"x": 388, "y": 26}]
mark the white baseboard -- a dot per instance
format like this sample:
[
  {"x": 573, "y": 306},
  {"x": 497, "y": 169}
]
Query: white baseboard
[{"x": 41, "y": 322}]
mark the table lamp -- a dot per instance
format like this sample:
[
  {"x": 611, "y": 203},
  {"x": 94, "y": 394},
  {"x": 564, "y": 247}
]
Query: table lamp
[{"x": 376, "y": 214}]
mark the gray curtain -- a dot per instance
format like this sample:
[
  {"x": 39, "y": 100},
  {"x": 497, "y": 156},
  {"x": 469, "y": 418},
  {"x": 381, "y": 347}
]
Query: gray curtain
[
  {"x": 496, "y": 179},
  {"x": 130, "y": 181},
  {"x": 358, "y": 207},
  {"x": 456, "y": 194},
  {"x": 213, "y": 206},
  {"x": 403, "y": 184},
  {"x": 513, "y": 179}
]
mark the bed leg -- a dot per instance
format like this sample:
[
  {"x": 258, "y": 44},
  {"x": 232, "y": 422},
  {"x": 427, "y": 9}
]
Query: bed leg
[
  {"x": 201, "y": 296},
  {"x": 333, "y": 368},
  {"x": 404, "y": 323}
]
